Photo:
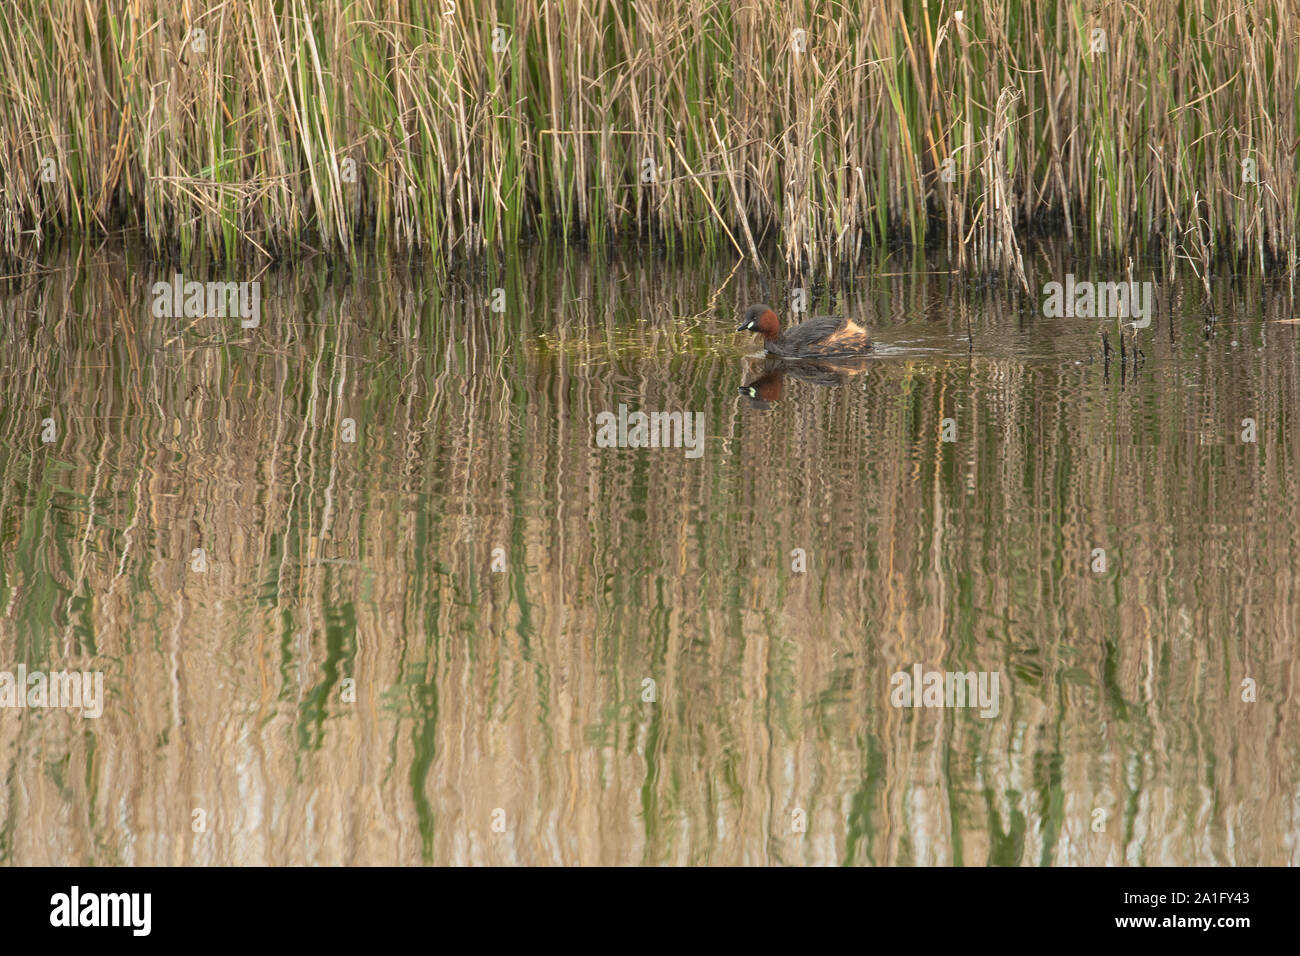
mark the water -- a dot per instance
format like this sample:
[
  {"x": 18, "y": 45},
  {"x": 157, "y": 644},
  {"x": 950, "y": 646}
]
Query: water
[{"x": 502, "y": 716}]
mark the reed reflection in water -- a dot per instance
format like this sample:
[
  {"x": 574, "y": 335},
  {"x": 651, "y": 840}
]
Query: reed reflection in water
[{"x": 516, "y": 697}]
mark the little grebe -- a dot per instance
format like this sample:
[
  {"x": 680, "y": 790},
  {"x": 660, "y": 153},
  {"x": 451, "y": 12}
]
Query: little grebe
[{"x": 826, "y": 336}]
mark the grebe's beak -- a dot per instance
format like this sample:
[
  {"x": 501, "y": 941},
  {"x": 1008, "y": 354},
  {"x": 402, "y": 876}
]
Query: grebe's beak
[{"x": 745, "y": 328}]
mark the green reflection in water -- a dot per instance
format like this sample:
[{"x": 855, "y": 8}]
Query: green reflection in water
[{"x": 521, "y": 690}]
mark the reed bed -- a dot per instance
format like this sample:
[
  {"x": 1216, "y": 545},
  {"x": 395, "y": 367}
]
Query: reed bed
[{"x": 811, "y": 132}]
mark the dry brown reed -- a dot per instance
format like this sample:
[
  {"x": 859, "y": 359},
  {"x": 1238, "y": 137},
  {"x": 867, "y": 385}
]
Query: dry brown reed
[{"x": 277, "y": 127}]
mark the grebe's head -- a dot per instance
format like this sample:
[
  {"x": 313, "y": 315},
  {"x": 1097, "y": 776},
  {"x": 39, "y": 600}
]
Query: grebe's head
[{"x": 761, "y": 319}]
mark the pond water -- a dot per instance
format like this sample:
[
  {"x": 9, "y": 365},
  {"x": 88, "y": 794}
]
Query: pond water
[{"x": 364, "y": 588}]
